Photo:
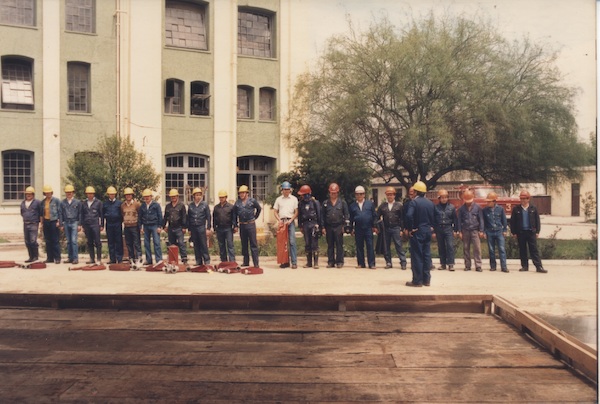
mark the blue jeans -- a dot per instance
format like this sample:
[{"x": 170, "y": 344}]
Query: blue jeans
[
  {"x": 152, "y": 231},
  {"x": 394, "y": 234},
  {"x": 421, "y": 257},
  {"x": 114, "y": 235},
  {"x": 493, "y": 237},
  {"x": 364, "y": 236},
  {"x": 198, "y": 237},
  {"x": 248, "y": 236},
  {"x": 225, "y": 239},
  {"x": 445, "y": 241},
  {"x": 292, "y": 242},
  {"x": 71, "y": 235}
]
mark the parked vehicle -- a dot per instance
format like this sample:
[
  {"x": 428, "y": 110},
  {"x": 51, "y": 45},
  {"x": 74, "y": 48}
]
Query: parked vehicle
[{"x": 480, "y": 192}]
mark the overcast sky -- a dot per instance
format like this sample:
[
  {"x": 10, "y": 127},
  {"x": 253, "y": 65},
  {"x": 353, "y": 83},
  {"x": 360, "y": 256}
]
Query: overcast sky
[{"x": 568, "y": 26}]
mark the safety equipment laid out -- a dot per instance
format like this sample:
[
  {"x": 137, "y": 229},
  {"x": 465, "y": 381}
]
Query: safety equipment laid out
[
  {"x": 390, "y": 190},
  {"x": 222, "y": 193},
  {"x": 304, "y": 190},
  {"x": 333, "y": 187},
  {"x": 173, "y": 192},
  {"x": 468, "y": 196},
  {"x": 243, "y": 188},
  {"x": 173, "y": 266},
  {"x": 252, "y": 271},
  {"x": 420, "y": 186},
  {"x": 34, "y": 265},
  {"x": 524, "y": 194},
  {"x": 128, "y": 191},
  {"x": 47, "y": 188},
  {"x": 119, "y": 267},
  {"x": 91, "y": 267},
  {"x": 69, "y": 188},
  {"x": 492, "y": 196},
  {"x": 201, "y": 269},
  {"x": 8, "y": 264},
  {"x": 90, "y": 190},
  {"x": 147, "y": 192},
  {"x": 286, "y": 185},
  {"x": 359, "y": 190},
  {"x": 111, "y": 191},
  {"x": 30, "y": 190},
  {"x": 159, "y": 267},
  {"x": 197, "y": 191},
  {"x": 442, "y": 192}
]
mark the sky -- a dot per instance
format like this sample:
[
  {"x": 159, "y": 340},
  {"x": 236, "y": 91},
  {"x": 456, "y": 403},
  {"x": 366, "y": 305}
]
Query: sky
[{"x": 566, "y": 26}]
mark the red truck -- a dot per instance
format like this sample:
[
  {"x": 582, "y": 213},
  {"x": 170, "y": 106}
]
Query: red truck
[{"x": 480, "y": 192}]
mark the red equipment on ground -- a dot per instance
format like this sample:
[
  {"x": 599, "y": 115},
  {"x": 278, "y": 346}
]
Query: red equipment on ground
[
  {"x": 8, "y": 264},
  {"x": 92, "y": 267},
  {"x": 119, "y": 267},
  {"x": 252, "y": 271},
  {"x": 283, "y": 256}
]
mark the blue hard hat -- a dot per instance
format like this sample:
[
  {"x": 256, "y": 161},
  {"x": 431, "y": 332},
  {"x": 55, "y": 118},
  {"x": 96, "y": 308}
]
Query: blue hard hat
[{"x": 286, "y": 185}]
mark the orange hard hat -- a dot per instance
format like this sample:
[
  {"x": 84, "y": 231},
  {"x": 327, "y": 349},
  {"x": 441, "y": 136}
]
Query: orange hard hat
[
  {"x": 468, "y": 196},
  {"x": 333, "y": 187},
  {"x": 304, "y": 189}
]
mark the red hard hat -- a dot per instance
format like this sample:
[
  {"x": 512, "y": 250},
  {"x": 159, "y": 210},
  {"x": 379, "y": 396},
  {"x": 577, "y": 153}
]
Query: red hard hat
[
  {"x": 304, "y": 189},
  {"x": 333, "y": 187}
]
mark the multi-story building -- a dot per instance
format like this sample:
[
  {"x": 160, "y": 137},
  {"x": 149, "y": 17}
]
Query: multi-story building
[{"x": 201, "y": 87}]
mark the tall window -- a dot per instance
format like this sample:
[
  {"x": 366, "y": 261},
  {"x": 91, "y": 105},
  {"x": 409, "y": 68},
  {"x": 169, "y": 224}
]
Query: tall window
[
  {"x": 80, "y": 15},
  {"x": 17, "y": 173},
  {"x": 267, "y": 104},
  {"x": 17, "y": 84},
  {"x": 255, "y": 34},
  {"x": 78, "y": 76},
  {"x": 185, "y": 25},
  {"x": 256, "y": 172},
  {"x": 185, "y": 172},
  {"x": 245, "y": 96},
  {"x": 17, "y": 12},
  {"x": 200, "y": 98},
  {"x": 173, "y": 96}
]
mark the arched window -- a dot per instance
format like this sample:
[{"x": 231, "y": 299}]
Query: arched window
[
  {"x": 173, "y": 96},
  {"x": 255, "y": 172},
  {"x": 245, "y": 98},
  {"x": 17, "y": 173},
  {"x": 185, "y": 172},
  {"x": 267, "y": 104},
  {"x": 17, "y": 83},
  {"x": 200, "y": 98}
]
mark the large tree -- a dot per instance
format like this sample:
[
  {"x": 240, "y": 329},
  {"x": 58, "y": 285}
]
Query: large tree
[
  {"x": 441, "y": 95},
  {"x": 113, "y": 162}
]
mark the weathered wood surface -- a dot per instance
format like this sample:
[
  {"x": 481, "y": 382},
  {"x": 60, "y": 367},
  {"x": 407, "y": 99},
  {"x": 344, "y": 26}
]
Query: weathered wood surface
[{"x": 110, "y": 356}]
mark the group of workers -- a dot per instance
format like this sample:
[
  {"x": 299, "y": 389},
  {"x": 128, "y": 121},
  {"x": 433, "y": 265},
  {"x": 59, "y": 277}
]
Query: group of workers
[{"x": 418, "y": 219}]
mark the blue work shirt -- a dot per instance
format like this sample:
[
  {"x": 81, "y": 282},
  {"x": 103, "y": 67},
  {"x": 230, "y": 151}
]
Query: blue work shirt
[{"x": 494, "y": 219}]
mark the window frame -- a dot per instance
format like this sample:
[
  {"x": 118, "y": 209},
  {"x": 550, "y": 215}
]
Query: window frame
[
  {"x": 183, "y": 170},
  {"x": 20, "y": 10},
  {"x": 249, "y": 102},
  {"x": 75, "y": 25},
  {"x": 88, "y": 97},
  {"x": 273, "y": 104},
  {"x": 257, "y": 173},
  {"x": 187, "y": 6},
  {"x": 177, "y": 93},
  {"x": 18, "y": 187},
  {"x": 202, "y": 99},
  {"x": 249, "y": 34},
  {"x": 17, "y": 85}
]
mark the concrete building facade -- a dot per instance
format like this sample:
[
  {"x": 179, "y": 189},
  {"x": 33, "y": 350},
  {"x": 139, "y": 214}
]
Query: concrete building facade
[{"x": 201, "y": 87}]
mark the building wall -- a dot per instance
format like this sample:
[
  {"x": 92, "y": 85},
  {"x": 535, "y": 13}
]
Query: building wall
[{"x": 561, "y": 194}]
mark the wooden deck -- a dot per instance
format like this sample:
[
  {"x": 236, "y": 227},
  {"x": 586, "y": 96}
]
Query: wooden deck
[{"x": 275, "y": 356}]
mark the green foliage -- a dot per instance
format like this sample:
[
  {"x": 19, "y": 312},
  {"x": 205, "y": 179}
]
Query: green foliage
[
  {"x": 441, "y": 95},
  {"x": 114, "y": 161},
  {"x": 589, "y": 207}
]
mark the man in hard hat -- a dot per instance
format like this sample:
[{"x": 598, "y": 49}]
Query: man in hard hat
[
  {"x": 525, "y": 226},
  {"x": 113, "y": 220},
  {"x": 470, "y": 229},
  {"x": 175, "y": 223},
  {"x": 494, "y": 230},
  {"x": 31, "y": 210},
  {"x": 92, "y": 221},
  {"x": 391, "y": 213},
  {"x": 445, "y": 227},
  {"x": 199, "y": 222},
  {"x": 130, "y": 210},
  {"x": 362, "y": 220},
  {"x": 309, "y": 217},
  {"x": 286, "y": 212},
  {"x": 223, "y": 220},
  {"x": 246, "y": 211},
  {"x": 334, "y": 217},
  {"x": 150, "y": 220},
  {"x": 70, "y": 214},
  {"x": 51, "y": 224},
  {"x": 419, "y": 222}
]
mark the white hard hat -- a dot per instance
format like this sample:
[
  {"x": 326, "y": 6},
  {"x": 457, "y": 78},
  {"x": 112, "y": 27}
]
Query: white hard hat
[{"x": 359, "y": 190}]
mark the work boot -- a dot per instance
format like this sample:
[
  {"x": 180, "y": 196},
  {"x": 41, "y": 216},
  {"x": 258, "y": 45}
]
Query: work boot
[
  {"x": 308, "y": 261},
  {"x": 316, "y": 260},
  {"x": 35, "y": 252}
]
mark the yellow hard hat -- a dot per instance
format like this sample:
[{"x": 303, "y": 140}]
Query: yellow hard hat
[
  {"x": 197, "y": 191},
  {"x": 69, "y": 188},
  {"x": 147, "y": 192},
  {"x": 390, "y": 190},
  {"x": 128, "y": 191},
  {"x": 243, "y": 188},
  {"x": 222, "y": 193},
  {"x": 30, "y": 190},
  {"x": 111, "y": 191},
  {"x": 90, "y": 190},
  {"x": 420, "y": 186},
  {"x": 173, "y": 192},
  {"x": 47, "y": 188}
]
